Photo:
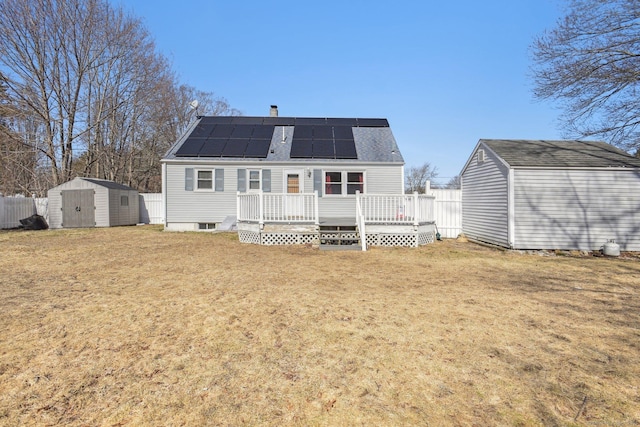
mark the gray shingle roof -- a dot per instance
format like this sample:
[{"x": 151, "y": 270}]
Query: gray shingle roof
[
  {"x": 553, "y": 154},
  {"x": 108, "y": 184}
]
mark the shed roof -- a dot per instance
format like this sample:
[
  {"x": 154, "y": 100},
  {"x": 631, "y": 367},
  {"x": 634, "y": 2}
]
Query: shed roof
[
  {"x": 555, "y": 154},
  {"x": 108, "y": 184},
  {"x": 290, "y": 139}
]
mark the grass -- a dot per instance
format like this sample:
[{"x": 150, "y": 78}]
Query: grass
[{"x": 135, "y": 326}]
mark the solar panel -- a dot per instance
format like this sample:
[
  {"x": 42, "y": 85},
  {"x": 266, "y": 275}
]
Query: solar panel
[
  {"x": 302, "y": 132},
  {"x": 201, "y": 131},
  {"x": 222, "y": 131},
  {"x": 235, "y": 148},
  {"x": 191, "y": 147},
  {"x": 346, "y": 149},
  {"x": 301, "y": 149},
  {"x": 213, "y": 120},
  {"x": 310, "y": 121},
  {"x": 263, "y": 131},
  {"x": 243, "y": 120},
  {"x": 343, "y": 132},
  {"x": 342, "y": 122},
  {"x": 279, "y": 121},
  {"x": 373, "y": 123},
  {"x": 213, "y": 147},
  {"x": 242, "y": 131},
  {"x": 322, "y": 132},
  {"x": 323, "y": 149},
  {"x": 258, "y": 148}
]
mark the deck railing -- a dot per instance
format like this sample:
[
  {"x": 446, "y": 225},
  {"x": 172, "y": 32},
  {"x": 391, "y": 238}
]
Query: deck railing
[
  {"x": 396, "y": 209},
  {"x": 278, "y": 207}
]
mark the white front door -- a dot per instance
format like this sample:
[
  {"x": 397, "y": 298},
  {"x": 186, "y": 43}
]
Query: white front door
[{"x": 294, "y": 184}]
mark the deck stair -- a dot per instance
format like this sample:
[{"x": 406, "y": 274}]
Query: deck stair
[{"x": 339, "y": 236}]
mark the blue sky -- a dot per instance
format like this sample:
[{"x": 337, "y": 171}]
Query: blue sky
[{"x": 444, "y": 73}]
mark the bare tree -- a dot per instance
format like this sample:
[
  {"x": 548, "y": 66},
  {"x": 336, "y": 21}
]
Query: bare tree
[
  {"x": 590, "y": 62},
  {"x": 416, "y": 178},
  {"x": 454, "y": 183}
]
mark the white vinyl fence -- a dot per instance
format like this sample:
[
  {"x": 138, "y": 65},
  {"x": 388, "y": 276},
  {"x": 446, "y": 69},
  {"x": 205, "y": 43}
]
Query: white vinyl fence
[
  {"x": 151, "y": 208},
  {"x": 13, "y": 209},
  {"x": 448, "y": 212}
]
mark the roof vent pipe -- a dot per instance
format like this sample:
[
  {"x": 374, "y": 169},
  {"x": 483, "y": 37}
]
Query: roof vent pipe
[{"x": 273, "y": 112}]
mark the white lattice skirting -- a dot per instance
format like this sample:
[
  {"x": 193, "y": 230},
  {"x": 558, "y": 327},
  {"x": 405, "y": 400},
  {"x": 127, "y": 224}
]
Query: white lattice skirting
[
  {"x": 410, "y": 240},
  {"x": 420, "y": 237},
  {"x": 289, "y": 238}
]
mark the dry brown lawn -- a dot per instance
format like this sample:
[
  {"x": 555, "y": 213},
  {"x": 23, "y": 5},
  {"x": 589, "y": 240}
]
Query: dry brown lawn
[{"x": 135, "y": 326}]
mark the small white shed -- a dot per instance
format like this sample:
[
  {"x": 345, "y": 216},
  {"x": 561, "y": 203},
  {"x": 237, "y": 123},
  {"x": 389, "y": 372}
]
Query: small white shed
[
  {"x": 571, "y": 195},
  {"x": 92, "y": 202}
]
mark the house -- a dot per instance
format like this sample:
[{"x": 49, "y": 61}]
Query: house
[
  {"x": 572, "y": 195},
  {"x": 282, "y": 180},
  {"x": 92, "y": 202}
]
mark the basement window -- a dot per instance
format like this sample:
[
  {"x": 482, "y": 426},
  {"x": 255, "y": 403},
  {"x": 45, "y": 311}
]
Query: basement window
[{"x": 206, "y": 226}]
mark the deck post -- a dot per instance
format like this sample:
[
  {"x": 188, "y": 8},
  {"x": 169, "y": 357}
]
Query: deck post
[
  {"x": 261, "y": 209},
  {"x": 416, "y": 209},
  {"x": 238, "y": 206},
  {"x": 316, "y": 209},
  {"x": 416, "y": 221}
]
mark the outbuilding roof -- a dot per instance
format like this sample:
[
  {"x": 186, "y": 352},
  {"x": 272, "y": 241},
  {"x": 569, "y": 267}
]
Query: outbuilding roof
[
  {"x": 106, "y": 183},
  {"x": 291, "y": 139},
  {"x": 555, "y": 154}
]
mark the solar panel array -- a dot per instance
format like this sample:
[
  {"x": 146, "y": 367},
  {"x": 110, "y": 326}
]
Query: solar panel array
[
  {"x": 227, "y": 140},
  {"x": 323, "y": 142},
  {"x": 240, "y": 136}
]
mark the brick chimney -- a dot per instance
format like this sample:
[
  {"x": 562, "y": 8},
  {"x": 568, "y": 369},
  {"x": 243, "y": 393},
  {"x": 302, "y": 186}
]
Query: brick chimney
[{"x": 273, "y": 112}]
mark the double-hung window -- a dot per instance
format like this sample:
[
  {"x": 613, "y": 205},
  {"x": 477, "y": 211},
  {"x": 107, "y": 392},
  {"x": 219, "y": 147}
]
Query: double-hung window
[
  {"x": 355, "y": 182},
  {"x": 254, "y": 179},
  {"x": 204, "y": 179},
  {"x": 343, "y": 183}
]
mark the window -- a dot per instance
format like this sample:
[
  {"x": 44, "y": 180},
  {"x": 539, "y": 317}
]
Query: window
[
  {"x": 340, "y": 183},
  {"x": 124, "y": 200},
  {"x": 355, "y": 182},
  {"x": 333, "y": 183},
  {"x": 481, "y": 156},
  {"x": 206, "y": 226},
  {"x": 254, "y": 179},
  {"x": 204, "y": 180}
]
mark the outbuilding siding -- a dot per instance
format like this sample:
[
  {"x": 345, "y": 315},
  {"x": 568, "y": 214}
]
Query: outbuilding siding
[
  {"x": 569, "y": 195},
  {"x": 576, "y": 209},
  {"x": 106, "y": 202},
  {"x": 485, "y": 200}
]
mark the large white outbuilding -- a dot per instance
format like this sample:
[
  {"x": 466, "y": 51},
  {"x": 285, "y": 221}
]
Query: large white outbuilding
[{"x": 571, "y": 195}]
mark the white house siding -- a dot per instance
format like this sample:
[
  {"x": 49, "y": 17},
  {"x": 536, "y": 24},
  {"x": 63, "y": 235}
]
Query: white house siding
[
  {"x": 485, "y": 200},
  {"x": 576, "y": 209},
  {"x": 185, "y": 209}
]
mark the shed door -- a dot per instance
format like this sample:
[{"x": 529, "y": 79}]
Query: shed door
[{"x": 78, "y": 208}]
